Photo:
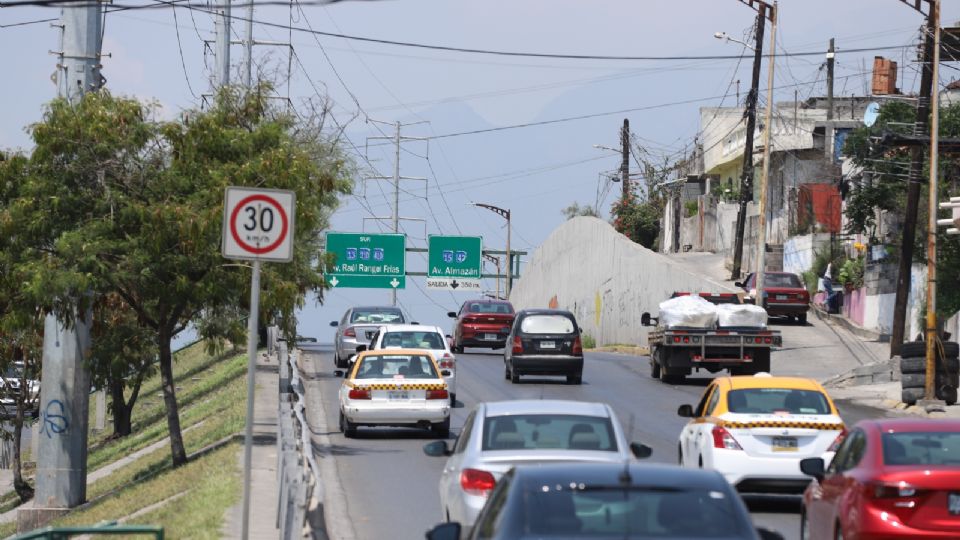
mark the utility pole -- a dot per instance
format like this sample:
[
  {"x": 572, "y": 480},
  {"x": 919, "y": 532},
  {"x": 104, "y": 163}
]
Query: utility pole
[
  {"x": 913, "y": 192},
  {"x": 929, "y": 392},
  {"x": 625, "y": 158},
  {"x": 248, "y": 48},
  {"x": 762, "y": 223},
  {"x": 830, "y": 61},
  {"x": 61, "y": 477},
  {"x": 222, "y": 48},
  {"x": 746, "y": 178}
]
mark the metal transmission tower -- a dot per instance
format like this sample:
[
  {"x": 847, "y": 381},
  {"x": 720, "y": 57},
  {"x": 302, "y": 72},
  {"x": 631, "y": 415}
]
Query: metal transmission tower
[
  {"x": 395, "y": 217},
  {"x": 65, "y": 386}
]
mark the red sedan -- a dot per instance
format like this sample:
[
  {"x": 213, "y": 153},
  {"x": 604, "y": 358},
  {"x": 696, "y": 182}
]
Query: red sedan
[
  {"x": 482, "y": 323},
  {"x": 890, "y": 479},
  {"x": 784, "y": 294}
]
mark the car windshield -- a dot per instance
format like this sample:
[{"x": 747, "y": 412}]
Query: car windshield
[
  {"x": 489, "y": 307},
  {"x": 547, "y": 324},
  {"x": 380, "y": 316},
  {"x": 548, "y": 431},
  {"x": 777, "y": 401},
  {"x": 921, "y": 448},
  {"x": 413, "y": 340},
  {"x": 782, "y": 280},
  {"x": 401, "y": 366},
  {"x": 616, "y": 512}
]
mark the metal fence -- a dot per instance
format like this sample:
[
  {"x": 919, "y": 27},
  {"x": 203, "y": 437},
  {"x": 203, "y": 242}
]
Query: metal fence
[{"x": 299, "y": 514}]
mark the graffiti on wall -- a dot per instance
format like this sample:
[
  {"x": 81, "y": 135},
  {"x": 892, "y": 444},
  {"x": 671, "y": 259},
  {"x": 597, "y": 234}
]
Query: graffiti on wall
[{"x": 54, "y": 421}]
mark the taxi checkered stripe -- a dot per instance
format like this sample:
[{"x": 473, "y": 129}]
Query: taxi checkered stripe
[
  {"x": 401, "y": 386},
  {"x": 776, "y": 424}
]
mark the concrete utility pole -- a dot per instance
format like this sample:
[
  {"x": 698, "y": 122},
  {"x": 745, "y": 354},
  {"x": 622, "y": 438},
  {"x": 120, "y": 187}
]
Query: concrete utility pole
[
  {"x": 625, "y": 158},
  {"x": 762, "y": 224},
  {"x": 913, "y": 193},
  {"x": 746, "y": 178},
  {"x": 61, "y": 481},
  {"x": 248, "y": 48},
  {"x": 831, "y": 53},
  {"x": 222, "y": 46},
  {"x": 929, "y": 392}
]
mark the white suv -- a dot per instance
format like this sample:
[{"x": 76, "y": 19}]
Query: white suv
[{"x": 416, "y": 336}]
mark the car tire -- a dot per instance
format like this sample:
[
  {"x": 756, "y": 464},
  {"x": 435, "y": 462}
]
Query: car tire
[
  {"x": 804, "y": 525},
  {"x": 761, "y": 363},
  {"x": 654, "y": 368},
  {"x": 514, "y": 376},
  {"x": 575, "y": 378},
  {"x": 458, "y": 349},
  {"x": 802, "y": 319},
  {"x": 348, "y": 428},
  {"x": 911, "y": 395},
  {"x": 680, "y": 455},
  {"x": 918, "y": 364},
  {"x": 453, "y": 398},
  {"x": 914, "y": 380},
  {"x": 506, "y": 371},
  {"x": 918, "y": 349},
  {"x": 441, "y": 429}
]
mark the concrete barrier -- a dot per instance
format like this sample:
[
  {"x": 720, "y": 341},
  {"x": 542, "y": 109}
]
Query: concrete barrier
[{"x": 604, "y": 278}]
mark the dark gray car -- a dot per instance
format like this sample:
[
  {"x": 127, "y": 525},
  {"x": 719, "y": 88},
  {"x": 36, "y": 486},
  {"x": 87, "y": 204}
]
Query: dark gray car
[
  {"x": 594, "y": 500},
  {"x": 544, "y": 342},
  {"x": 358, "y": 325}
]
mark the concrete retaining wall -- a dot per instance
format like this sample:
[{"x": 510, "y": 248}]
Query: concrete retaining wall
[
  {"x": 605, "y": 279},
  {"x": 800, "y": 251}
]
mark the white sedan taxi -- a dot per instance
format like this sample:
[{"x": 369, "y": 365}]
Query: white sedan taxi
[
  {"x": 755, "y": 430},
  {"x": 395, "y": 387}
]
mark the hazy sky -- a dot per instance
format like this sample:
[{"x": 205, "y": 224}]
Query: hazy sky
[{"x": 535, "y": 171}]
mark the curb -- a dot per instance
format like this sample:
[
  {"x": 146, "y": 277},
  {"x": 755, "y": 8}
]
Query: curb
[
  {"x": 622, "y": 349},
  {"x": 851, "y": 327}
]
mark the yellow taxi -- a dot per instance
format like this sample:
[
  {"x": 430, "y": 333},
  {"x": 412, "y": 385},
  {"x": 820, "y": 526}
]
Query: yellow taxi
[
  {"x": 395, "y": 387},
  {"x": 755, "y": 430}
]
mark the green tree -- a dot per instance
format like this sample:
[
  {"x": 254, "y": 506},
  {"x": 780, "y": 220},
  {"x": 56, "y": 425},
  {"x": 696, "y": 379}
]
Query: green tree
[{"x": 132, "y": 207}]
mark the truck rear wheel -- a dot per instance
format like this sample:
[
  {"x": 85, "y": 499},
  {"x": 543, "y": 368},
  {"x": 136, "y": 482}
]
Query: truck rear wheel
[
  {"x": 670, "y": 375},
  {"x": 654, "y": 365}
]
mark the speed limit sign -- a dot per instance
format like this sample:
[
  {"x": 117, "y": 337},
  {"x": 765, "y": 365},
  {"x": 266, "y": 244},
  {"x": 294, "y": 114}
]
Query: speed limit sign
[{"x": 258, "y": 224}]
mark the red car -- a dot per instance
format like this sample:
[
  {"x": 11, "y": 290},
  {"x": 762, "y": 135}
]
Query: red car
[
  {"x": 785, "y": 295},
  {"x": 890, "y": 479},
  {"x": 482, "y": 323}
]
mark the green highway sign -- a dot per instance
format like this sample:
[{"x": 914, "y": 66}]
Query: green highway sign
[
  {"x": 371, "y": 261},
  {"x": 455, "y": 257}
]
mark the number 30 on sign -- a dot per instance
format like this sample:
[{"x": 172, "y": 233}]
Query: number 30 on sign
[{"x": 258, "y": 224}]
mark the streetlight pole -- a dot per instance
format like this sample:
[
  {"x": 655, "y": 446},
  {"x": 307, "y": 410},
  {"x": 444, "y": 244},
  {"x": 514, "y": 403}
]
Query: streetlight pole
[
  {"x": 504, "y": 213},
  {"x": 762, "y": 232},
  {"x": 496, "y": 262}
]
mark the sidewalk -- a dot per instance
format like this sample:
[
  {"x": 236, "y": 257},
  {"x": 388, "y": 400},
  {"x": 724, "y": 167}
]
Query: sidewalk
[{"x": 265, "y": 489}]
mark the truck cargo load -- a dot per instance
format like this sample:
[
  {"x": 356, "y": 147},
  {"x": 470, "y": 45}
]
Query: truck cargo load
[
  {"x": 741, "y": 316},
  {"x": 689, "y": 311}
]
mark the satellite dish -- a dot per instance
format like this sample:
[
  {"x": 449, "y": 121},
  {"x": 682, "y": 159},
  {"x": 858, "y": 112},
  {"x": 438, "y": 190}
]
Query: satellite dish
[{"x": 870, "y": 115}]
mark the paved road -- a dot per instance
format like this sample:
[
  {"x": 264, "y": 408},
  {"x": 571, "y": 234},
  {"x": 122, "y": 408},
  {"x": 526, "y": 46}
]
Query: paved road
[{"x": 388, "y": 488}]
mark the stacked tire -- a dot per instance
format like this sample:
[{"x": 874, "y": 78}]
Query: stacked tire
[{"x": 913, "y": 371}]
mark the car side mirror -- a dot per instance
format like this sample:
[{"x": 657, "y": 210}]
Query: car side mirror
[
  {"x": 334, "y": 323},
  {"x": 767, "y": 534},
  {"x": 685, "y": 411},
  {"x": 738, "y": 284},
  {"x": 437, "y": 449},
  {"x": 813, "y": 467},
  {"x": 640, "y": 451},
  {"x": 452, "y": 314},
  {"x": 445, "y": 531},
  {"x": 445, "y": 372},
  {"x": 361, "y": 348}
]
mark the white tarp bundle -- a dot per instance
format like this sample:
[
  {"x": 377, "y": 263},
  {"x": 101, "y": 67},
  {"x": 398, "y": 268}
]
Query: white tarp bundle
[
  {"x": 691, "y": 310},
  {"x": 741, "y": 315}
]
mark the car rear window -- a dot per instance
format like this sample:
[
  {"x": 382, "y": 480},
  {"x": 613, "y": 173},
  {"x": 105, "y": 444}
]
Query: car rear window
[
  {"x": 384, "y": 316},
  {"x": 782, "y": 280},
  {"x": 548, "y": 431},
  {"x": 413, "y": 340},
  {"x": 921, "y": 448},
  {"x": 396, "y": 367},
  {"x": 635, "y": 512},
  {"x": 777, "y": 400},
  {"x": 547, "y": 324},
  {"x": 490, "y": 307}
]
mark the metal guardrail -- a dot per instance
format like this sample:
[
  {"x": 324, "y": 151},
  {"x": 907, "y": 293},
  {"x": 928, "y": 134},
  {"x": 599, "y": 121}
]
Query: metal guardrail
[
  {"x": 301, "y": 490},
  {"x": 111, "y": 528}
]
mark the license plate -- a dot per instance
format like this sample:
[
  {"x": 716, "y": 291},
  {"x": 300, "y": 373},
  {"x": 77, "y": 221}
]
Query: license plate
[
  {"x": 398, "y": 395},
  {"x": 548, "y": 345},
  {"x": 490, "y": 337},
  {"x": 784, "y": 444},
  {"x": 953, "y": 504},
  {"x": 782, "y": 297}
]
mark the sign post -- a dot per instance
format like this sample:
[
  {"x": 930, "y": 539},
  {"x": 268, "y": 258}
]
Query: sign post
[
  {"x": 257, "y": 226},
  {"x": 369, "y": 261},
  {"x": 454, "y": 262}
]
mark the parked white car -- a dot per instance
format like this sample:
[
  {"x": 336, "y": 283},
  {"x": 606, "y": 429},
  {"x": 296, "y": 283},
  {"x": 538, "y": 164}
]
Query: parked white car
[{"x": 415, "y": 336}]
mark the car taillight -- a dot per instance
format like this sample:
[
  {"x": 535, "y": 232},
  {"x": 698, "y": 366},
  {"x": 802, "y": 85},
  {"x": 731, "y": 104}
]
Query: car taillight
[
  {"x": 517, "y": 345},
  {"x": 477, "y": 482},
  {"x": 577, "y": 346},
  {"x": 676, "y": 339},
  {"x": 836, "y": 442},
  {"x": 894, "y": 490},
  {"x": 438, "y": 394},
  {"x": 767, "y": 340},
  {"x": 350, "y": 332},
  {"x": 723, "y": 439},
  {"x": 446, "y": 362},
  {"x": 359, "y": 393}
]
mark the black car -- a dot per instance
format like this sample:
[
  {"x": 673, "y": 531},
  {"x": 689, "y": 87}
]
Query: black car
[
  {"x": 544, "y": 342},
  {"x": 592, "y": 500}
]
